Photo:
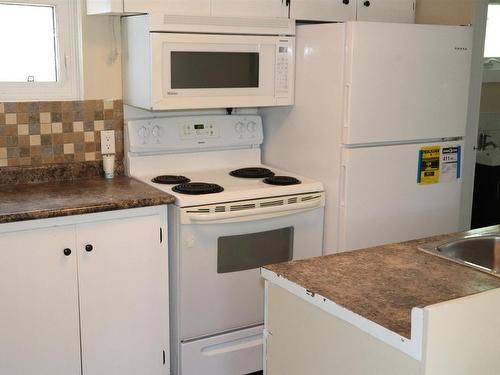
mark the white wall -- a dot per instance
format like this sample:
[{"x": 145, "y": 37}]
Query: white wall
[
  {"x": 101, "y": 51},
  {"x": 132, "y": 113}
]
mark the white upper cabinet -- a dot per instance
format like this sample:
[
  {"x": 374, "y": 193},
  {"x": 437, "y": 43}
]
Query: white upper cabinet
[
  {"x": 323, "y": 10},
  {"x": 171, "y": 7},
  {"x": 402, "y": 11},
  {"x": 104, "y": 7},
  {"x": 250, "y": 8},
  {"x": 39, "y": 323}
]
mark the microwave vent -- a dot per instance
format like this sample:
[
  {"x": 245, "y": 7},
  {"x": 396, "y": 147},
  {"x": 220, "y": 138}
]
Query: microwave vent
[{"x": 227, "y": 21}]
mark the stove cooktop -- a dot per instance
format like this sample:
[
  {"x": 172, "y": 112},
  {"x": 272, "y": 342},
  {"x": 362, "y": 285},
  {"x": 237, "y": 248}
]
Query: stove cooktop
[{"x": 228, "y": 188}]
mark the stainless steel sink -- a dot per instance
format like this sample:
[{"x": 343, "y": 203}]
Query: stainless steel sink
[{"x": 481, "y": 252}]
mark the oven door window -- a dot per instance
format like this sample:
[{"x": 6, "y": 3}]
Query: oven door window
[
  {"x": 254, "y": 250},
  {"x": 214, "y": 70}
]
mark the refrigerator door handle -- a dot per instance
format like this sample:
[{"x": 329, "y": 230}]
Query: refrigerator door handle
[
  {"x": 343, "y": 190},
  {"x": 347, "y": 105},
  {"x": 342, "y": 209}
]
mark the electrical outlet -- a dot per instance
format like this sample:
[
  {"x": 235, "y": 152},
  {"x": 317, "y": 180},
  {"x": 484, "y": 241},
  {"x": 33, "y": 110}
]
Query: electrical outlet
[{"x": 107, "y": 142}]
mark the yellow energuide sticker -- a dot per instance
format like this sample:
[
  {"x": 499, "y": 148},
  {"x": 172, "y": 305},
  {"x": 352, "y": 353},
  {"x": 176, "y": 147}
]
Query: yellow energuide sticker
[{"x": 429, "y": 165}]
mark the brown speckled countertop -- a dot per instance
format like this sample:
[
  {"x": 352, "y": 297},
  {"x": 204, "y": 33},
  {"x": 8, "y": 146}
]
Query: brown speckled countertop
[
  {"x": 384, "y": 283},
  {"x": 75, "y": 197}
]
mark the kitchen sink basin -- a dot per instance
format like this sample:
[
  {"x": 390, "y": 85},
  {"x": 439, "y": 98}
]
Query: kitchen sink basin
[{"x": 481, "y": 252}]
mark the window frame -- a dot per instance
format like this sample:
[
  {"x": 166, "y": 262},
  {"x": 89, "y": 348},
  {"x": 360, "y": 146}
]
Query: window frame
[
  {"x": 69, "y": 86},
  {"x": 491, "y": 72}
]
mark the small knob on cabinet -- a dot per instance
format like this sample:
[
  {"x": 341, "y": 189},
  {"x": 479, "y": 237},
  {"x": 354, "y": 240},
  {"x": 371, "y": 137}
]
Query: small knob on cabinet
[
  {"x": 89, "y": 248},
  {"x": 366, "y": 3},
  {"x": 67, "y": 252},
  {"x": 346, "y": 2}
]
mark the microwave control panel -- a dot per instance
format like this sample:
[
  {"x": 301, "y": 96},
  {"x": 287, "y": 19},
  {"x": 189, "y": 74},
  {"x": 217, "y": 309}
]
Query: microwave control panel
[{"x": 284, "y": 67}]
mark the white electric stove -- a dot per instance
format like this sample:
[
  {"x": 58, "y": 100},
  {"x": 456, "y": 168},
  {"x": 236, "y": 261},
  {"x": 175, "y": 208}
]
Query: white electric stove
[{"x": 232, "y": 215}]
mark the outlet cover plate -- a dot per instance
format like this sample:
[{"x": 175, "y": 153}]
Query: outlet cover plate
[{"x": 108, "y": 142}]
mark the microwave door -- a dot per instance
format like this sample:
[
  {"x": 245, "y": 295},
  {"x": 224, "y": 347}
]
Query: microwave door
[
  {"x": 218, "y": 71},
  {"x": 199, "y": 70}
]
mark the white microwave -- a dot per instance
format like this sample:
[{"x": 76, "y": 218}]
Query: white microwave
[{"x": 172, "y": 70}]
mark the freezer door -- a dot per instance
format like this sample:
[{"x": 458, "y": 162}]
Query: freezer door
[
  {"x": 405, "y": 82},
  {"x": 382, "y": 202}
]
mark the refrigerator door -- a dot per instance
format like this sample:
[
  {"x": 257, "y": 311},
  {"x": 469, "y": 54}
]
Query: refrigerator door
[
  {"x": 381, "y": 201},
  {"x": 405, "y": 82}
]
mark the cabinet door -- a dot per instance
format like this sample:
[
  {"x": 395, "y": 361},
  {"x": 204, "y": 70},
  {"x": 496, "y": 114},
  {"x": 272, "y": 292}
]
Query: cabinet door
[
  {"x": 39, "y": 332},
  {"x": 250, "y": 8},
  {"x": 323, "y": 10},
  {"x": 172, "y": 7},
  {"x": 399, "y": 11},
  {"x": 123, "y": 284}
]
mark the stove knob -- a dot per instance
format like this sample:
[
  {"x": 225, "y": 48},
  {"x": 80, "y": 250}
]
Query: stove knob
[
  {"x": 156, "y": 131},
  {"x": 239, "y": 127},
  {"x": 251, "y": 126},
  {"x": 143, "y": 132}
]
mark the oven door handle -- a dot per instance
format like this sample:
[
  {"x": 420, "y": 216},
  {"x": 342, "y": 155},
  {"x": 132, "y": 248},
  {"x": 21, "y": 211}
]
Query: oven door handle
[{"x": 255, "y": 213}]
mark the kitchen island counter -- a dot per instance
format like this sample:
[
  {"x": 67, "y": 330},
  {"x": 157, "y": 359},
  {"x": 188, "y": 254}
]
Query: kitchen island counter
[
  {"x": 384, "y": 283},
  {"x": 391, "y": 310}
]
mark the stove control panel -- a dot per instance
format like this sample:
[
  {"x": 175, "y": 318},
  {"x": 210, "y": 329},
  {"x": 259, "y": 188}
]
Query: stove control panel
[
  {"x": 186, "y": 133},
  {"x": 199, "y": 131}
]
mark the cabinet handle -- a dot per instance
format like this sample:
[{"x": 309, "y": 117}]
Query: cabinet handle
[
  {"x": 67, "y": 252},
  {"x": 366, "y": 3},
  {"x": 346, "y": 2},
  {"x": 89, "y": 248}
]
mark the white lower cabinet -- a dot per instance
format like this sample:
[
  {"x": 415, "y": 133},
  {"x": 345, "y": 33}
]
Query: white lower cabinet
[
  {"x": 39, "y": 328},
  {"x": 89, "y": 298}
]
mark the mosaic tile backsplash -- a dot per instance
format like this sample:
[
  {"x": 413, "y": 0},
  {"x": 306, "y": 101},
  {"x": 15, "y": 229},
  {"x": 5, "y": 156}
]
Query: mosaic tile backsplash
[{"x": 39, "y": 133}]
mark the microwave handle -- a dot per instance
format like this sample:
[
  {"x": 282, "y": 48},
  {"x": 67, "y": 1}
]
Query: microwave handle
[{"x": 255, "y": 213}]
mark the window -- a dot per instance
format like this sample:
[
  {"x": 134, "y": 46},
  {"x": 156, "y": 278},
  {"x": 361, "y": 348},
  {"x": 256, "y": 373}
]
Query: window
[
  {"x": 492, "y": 45},
  {"x": 40, "y": 50}
]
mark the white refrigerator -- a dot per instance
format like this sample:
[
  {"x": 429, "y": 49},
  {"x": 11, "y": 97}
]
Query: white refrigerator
[{"x": 379, "y": 117}]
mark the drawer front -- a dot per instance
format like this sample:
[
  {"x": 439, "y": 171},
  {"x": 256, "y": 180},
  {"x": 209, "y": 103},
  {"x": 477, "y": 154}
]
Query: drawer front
[{"x": 238, "y": 352}]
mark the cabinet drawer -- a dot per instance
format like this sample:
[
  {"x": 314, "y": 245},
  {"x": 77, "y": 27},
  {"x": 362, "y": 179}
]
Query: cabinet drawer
[{"x": 226, "y": 354}]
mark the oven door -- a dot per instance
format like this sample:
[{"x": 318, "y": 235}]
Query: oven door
[
  {"x": 208, "y": 71},
  {"x": 221, "y": 253}
]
